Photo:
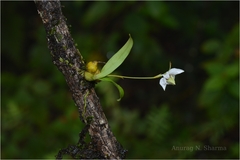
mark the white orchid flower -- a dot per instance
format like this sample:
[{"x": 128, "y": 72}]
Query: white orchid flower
[{"x": 169, "y": 77}]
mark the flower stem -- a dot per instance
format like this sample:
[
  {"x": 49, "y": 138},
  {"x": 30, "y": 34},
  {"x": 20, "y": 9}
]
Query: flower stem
[{"x": 128, "y": 77}]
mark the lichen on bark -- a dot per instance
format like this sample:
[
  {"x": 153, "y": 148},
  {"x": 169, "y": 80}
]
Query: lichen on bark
[{"x": 62, "y": 48}]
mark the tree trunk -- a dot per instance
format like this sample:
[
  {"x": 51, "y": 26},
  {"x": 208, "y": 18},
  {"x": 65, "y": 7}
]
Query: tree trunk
[{"x": 69, "y": 61}]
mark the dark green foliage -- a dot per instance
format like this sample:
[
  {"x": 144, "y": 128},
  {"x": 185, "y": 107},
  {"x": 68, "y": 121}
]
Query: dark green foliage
[{"x": 39, "y": 117}]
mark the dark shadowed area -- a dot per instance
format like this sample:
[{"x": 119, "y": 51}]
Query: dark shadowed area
[{"x": 196, "y": 118}]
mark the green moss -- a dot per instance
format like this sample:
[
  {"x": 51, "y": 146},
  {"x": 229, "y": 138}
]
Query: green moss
[
  {"x": 61, "y": 60},
  {"x": 53, "y": 31},
  {"x": 58, "y": 36},
  {"x": 65, "y": 47}
]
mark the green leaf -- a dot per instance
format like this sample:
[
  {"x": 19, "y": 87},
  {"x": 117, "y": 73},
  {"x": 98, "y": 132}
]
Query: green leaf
[
  {"x": 116, "y": 60},
  {"x": 121, "y": 91}
]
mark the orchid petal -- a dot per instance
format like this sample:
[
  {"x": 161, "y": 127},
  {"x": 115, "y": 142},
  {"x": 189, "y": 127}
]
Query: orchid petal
[
  {"x": 175, "y": 71},
  {"x": 163, "y": 83},
  {"x": 166, "y": 75}
]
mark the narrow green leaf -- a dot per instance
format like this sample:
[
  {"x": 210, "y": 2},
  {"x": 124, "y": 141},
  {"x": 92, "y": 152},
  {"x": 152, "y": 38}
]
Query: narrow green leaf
[
  {"x": 116, "y": 60},
  {"x": 120, "y": 89}
]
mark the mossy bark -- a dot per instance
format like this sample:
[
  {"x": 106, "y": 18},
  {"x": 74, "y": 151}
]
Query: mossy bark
[{"x": 62, "y": 48}]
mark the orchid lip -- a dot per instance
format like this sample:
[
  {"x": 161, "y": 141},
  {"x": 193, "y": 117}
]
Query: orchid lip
[{"x": 169, "y": 77}]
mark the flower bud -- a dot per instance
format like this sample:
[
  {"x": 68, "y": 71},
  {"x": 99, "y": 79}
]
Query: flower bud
[
  {"x": 88, "y": 76},
  {"x": 92, "y": 67}
]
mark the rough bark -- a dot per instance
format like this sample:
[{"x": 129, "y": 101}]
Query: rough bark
[{"x": 69, "y": 61}]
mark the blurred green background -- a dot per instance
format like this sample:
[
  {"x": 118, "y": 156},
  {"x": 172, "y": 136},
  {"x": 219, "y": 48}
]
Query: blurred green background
[{"x": 39, "y": 117}]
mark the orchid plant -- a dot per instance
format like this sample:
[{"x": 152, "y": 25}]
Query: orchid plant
[{"x": 92, "y": 72}]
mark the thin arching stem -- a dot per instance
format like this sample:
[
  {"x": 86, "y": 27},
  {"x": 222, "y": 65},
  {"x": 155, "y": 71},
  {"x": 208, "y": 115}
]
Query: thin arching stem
[{"x": 128, "y": 77}]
